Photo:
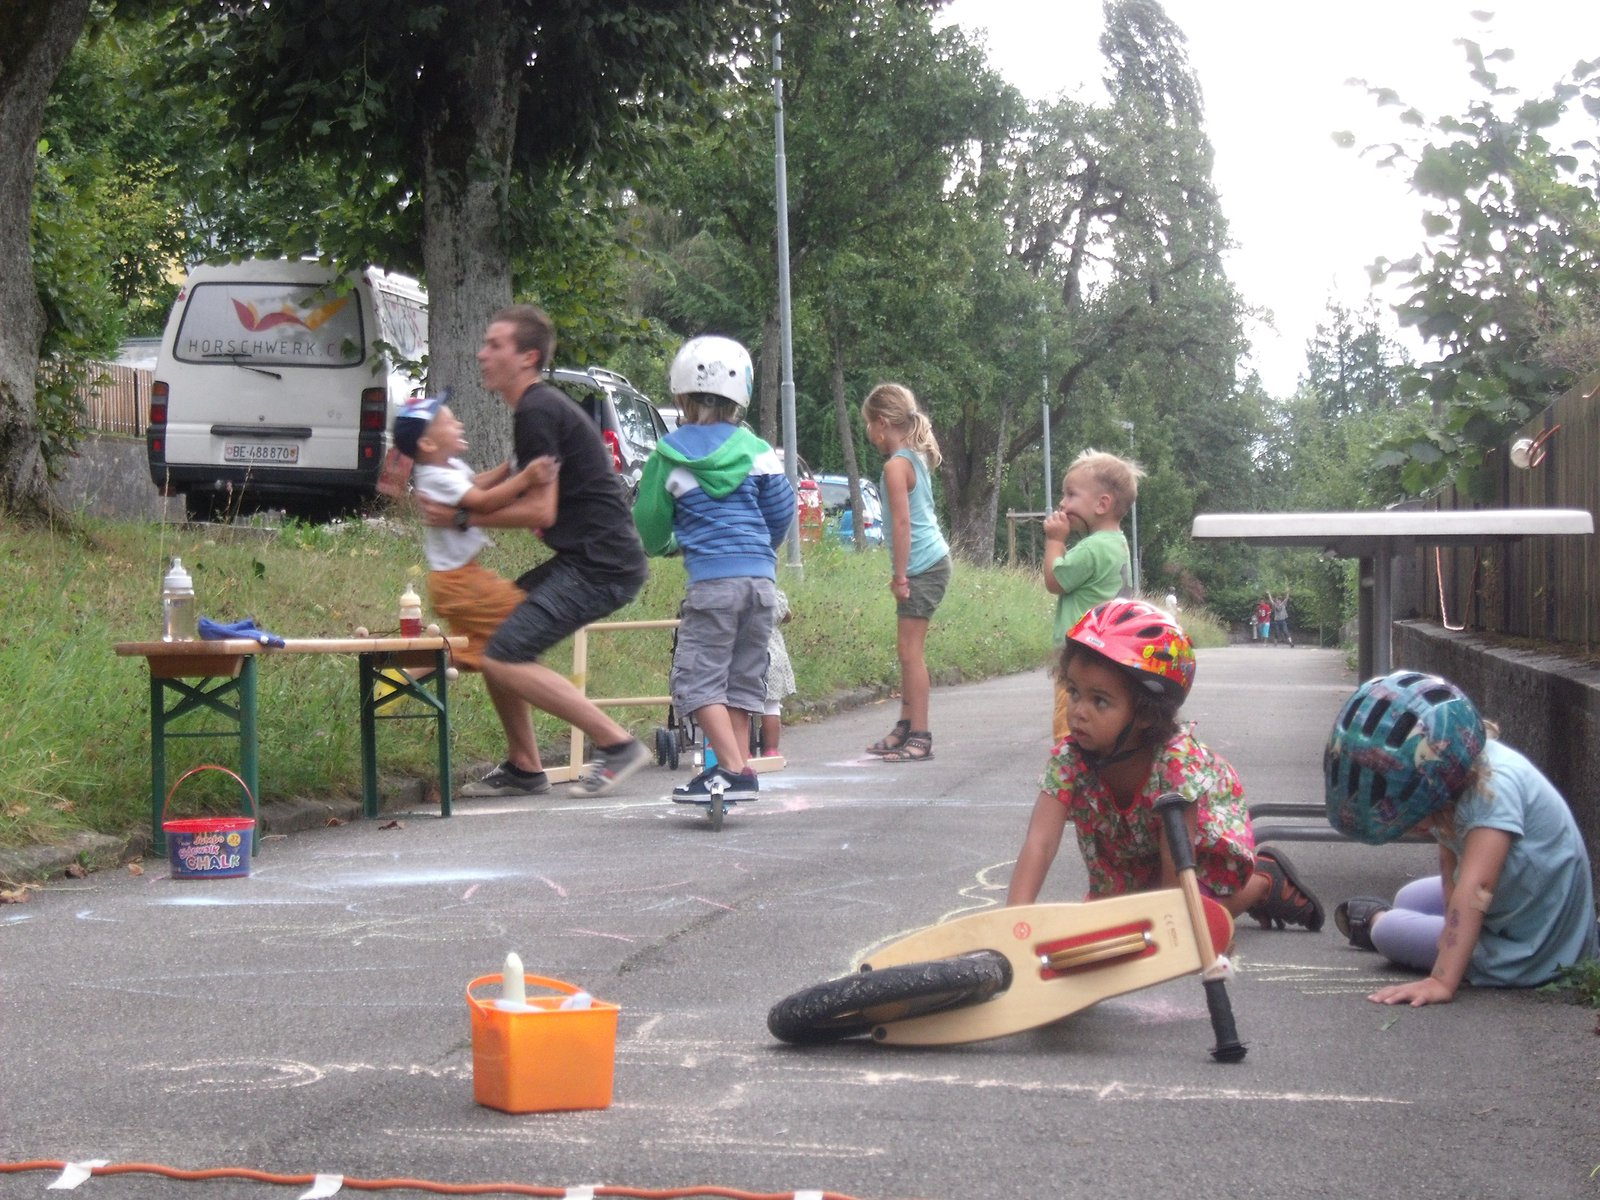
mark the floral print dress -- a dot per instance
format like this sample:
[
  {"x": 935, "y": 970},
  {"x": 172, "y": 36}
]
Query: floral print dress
[{"x": 1122, "y": 846}]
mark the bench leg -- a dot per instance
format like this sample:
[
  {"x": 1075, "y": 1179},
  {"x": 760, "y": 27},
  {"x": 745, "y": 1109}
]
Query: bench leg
[
  {"x": 158, "y": 762},
  {"x": 440, "y": 673},
  {"x": 368, "y": 676}
]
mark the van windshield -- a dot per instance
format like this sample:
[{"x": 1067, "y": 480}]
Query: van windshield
[{"x": 270, "y": 324}]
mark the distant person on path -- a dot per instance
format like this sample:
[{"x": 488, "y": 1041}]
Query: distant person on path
[
  {"x": 1280, "y": 618},
  {"x": 472, "y": 600},
  {"x": 780, "y": 679},
  {"x": 1513, "y": 902},
  {"x": 1097, "y": 492},
  {"x": 1263, "y": 619},
  {"x": 919, "y": 555},
  {"x": 1128, "y": 667},
  {"x": 717, "y": 494},
  {"x": 598, "y": 565}
]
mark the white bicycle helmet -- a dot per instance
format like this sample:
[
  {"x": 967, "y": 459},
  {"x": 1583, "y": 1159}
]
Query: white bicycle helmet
[{"x": 715, "y": 366}]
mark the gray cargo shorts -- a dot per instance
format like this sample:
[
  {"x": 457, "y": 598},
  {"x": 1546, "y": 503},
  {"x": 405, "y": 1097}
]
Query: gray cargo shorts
[{"x": 721, "y": 656}]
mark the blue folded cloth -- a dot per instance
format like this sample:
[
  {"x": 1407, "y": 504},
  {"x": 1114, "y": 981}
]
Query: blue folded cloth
[{"x": 216, "y": 631}]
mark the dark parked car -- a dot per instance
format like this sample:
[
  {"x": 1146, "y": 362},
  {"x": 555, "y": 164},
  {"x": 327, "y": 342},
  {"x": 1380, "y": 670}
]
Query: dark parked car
[{"x": 629, "y": 422}]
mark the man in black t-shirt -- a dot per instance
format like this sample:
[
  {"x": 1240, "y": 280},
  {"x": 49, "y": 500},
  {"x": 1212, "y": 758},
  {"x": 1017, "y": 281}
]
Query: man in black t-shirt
[{"x": 598, "y": 565}]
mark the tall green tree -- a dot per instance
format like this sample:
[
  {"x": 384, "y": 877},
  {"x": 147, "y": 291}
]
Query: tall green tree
[
  {"x": 455, "y": 124},
  {"x": 1113, "y": 206},
  {"x": 36, "y": 37},
  {"x": 880, "y": 108},
  {"x": 1511, "y": 241},
  {"x": 1352, "y": 364}
]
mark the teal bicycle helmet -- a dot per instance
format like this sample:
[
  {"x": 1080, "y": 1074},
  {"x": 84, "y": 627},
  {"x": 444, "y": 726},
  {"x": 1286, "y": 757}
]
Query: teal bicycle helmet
[{"x": 1401, "y": 750}]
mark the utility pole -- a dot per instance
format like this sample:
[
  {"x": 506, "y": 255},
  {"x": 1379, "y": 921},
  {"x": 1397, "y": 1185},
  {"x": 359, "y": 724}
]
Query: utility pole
[
  {"x": 791, "y": 457},
  {"x": 1044, "y": 396},
  {"x": 1128, "y": 425}
]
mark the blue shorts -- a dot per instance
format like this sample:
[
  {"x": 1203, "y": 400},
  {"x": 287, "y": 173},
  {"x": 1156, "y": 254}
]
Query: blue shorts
[
  {"x": 562, "y": 599},
  {"x": 724, "y": 633}
]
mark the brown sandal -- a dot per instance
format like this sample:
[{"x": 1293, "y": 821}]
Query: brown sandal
[
  {"x": 918, "y": 747},
  {"x": 892, "y": 740}
]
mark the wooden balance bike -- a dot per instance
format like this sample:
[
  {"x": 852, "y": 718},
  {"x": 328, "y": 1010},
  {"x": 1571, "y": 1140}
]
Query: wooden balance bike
[{"x": 1004, "y": 970}]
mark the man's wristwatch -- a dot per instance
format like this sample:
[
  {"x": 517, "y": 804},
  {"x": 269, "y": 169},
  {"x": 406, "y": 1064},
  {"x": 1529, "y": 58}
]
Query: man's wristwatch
[{"x": 463, "y": 516}]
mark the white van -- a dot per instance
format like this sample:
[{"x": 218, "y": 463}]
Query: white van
[{"x": 276, "y": 385}]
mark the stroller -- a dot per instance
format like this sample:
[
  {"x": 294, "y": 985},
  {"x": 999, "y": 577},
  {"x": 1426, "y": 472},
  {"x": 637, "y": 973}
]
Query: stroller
[{"x": 682, "y": 733}]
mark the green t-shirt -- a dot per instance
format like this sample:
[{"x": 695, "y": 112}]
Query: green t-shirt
[{"x": 1094, "y": 569}]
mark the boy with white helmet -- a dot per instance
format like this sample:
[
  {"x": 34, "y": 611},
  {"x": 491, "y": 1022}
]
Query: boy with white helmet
[{"x": 716, "y": 493}]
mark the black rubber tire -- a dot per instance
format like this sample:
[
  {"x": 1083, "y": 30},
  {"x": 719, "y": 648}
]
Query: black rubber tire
[
  {"x": 856, "y": 1004},
  {"x": 718, "y": 809},
  {"x": 673, "y": 745},
  {"x": 663, "y": 743}
]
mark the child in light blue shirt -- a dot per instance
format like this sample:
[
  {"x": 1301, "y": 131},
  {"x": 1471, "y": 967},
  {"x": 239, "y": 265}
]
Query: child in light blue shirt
[{"x": 1513, "y": 903}]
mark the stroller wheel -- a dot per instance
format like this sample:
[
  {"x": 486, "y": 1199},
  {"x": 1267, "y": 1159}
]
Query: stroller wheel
[{"x": 664, "y": 748}]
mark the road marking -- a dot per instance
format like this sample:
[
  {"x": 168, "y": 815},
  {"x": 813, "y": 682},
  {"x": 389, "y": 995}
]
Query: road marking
[
  {"x": 213, "y": 1076},
  {"x": 1313, "y": 980},
  {"x": 1116, "y": 1090},
  {"x": 620, "y": 937}
]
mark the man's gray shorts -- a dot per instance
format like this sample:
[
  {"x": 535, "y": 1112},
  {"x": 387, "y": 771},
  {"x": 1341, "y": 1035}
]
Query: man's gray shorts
[
  {"x": 721, "y": 656},
  {"x": 562, "y": 599}
]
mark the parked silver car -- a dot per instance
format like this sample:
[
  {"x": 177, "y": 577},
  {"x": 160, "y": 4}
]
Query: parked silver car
[{"x": 628, "y": 420}]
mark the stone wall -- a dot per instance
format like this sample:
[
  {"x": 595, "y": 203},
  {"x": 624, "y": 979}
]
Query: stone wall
[
  {"x": 1548, "y": 707},
  {"x": 110, "y": 477}
]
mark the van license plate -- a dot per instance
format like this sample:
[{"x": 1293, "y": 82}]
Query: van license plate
[{"x": 259, "y": 452}]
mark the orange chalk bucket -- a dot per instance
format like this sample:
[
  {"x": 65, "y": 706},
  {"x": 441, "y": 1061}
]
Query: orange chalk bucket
[{"x": 548, "y": 1059}]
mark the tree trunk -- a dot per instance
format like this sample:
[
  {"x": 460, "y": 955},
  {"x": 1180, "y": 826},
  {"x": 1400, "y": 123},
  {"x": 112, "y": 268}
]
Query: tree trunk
[
  {"x": 467, "y": 147},
  {"x": 973, "y": 497},
  {"x": 847, "y": 440},
  {"x": 36, "y": 36}
]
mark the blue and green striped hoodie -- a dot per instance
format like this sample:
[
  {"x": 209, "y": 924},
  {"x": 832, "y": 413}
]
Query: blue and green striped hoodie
[{"x": 718, "y": 494}]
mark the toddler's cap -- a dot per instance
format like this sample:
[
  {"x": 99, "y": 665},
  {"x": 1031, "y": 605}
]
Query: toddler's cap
[{"x": 413, "y": 419}]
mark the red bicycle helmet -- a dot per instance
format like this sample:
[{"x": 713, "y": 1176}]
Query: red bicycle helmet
[{"x": 1142, "y": 640}]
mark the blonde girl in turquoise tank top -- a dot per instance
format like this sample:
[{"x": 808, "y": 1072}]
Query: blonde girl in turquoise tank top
[{"x": 919, "y": 555}]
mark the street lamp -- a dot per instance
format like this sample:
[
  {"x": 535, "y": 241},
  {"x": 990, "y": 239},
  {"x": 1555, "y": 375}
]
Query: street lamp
[
  {"x": 1128, "y": 425},
  {"x": 1044, "y": 396},
  {"x": 791, "y": 460}
]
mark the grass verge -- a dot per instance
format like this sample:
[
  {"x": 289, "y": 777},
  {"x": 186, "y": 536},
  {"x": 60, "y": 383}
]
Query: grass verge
[{"x": 75, "y": 750}]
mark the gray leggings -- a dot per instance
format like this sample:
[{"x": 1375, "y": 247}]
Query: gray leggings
[{"x": 1408, "y": 934}]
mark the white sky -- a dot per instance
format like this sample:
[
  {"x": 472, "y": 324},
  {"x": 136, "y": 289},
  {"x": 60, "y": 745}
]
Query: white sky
[{"x": 1307, "y": 216}]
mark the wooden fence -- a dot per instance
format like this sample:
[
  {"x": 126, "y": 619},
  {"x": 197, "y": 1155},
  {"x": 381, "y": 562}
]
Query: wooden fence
[
  {"x": 116, "y": 400},
  {"x": 1540, "y": 588}
]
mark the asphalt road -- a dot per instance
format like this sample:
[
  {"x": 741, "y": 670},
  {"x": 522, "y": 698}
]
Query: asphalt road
[{"x": 311, "y": 1018}]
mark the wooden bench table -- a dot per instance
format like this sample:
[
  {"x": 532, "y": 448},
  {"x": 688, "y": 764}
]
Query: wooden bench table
[{"x": 219, "y": 678}]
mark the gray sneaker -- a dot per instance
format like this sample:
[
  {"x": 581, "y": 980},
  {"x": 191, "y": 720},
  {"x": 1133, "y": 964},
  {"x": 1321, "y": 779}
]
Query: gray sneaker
[
  {"x": 505, "y": 780},
  {"x": 609, "y": 768}
]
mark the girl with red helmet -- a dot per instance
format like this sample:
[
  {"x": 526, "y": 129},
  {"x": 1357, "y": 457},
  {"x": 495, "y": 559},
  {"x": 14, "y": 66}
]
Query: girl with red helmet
[{"x": 1127, "y": 668}]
